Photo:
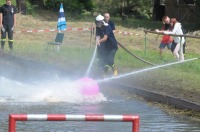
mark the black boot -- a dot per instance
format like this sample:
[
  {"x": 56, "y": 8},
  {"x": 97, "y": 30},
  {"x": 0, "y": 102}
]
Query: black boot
[
  {"x": 10, "y": 45},
  {"x": 2, "y": 44},
  {"x": 105, "y": 69}
]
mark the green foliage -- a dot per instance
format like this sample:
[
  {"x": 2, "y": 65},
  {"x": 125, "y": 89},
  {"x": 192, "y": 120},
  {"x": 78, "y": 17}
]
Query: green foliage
[
  {"x": 73, "y": 6},
  {"x": 105, "y": 6},
  {"x": 88, "y": 4},
  {"x": 53, "y": 4},
  {"x": 198, "y": 7},
  {"x": 140, "y": 9},
  {"x": 30, "y": 8},
  {"x": 198, "y": 2}
]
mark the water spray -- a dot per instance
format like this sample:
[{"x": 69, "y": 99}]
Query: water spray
[
  {"x": 147, "y": 69},
  {"x": 90, "y": 86},
  {"x": 91, "y": 62}
]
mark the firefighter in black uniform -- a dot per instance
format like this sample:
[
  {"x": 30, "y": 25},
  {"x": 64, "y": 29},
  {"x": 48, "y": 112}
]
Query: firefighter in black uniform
[
  {"x": 107, "y": 45},
  {"x": 7, "y": 23}
]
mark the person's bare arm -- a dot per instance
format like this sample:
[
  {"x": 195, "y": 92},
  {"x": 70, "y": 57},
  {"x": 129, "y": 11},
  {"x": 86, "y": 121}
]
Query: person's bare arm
[
  {"x": 160, "y": 31},
  {"x": 105, "y": 37}
]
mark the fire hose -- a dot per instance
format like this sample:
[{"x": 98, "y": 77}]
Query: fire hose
[{"x": 135, "y": 55}]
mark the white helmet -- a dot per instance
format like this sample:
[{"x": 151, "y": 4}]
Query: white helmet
[{"x": 99, "y": 18}]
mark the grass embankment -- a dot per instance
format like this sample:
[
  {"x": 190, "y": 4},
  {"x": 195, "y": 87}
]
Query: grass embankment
[{"x": 76, "y": 54}]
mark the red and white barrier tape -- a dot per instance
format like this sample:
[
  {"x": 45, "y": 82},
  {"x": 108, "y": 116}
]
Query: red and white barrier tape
[
  {"x": 127, "y": 33},
  {"x": 53, "y": 30},
  {"x": 71, "y": 29}
]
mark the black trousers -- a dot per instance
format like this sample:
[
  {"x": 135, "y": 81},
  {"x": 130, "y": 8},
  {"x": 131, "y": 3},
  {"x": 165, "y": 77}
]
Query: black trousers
[
  {"x": 8, "y": 29},
  {"x": 110, "y": 57},
  {"x": 101, "y": 54},
  {"x": 106, "y": 56}
]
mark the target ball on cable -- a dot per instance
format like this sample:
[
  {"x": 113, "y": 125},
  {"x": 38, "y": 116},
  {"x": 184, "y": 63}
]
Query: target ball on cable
[{"x": 88, "y": 86}]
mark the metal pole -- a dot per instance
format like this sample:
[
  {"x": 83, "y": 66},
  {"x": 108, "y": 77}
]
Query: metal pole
[
  {"x": 136, "y": 125},
  {"x": 145, "y": 43},
  {"x": 92, "y": 33},
  {"x": 63, "y": 117},
  {"x": 181, "y": 49},
  {"x": 58, "y": 46},
  {"x": 12, "y": 124}
]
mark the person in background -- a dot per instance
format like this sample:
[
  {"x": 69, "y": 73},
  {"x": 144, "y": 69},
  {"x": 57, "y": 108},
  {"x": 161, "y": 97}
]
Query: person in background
[
  {"x": 166, "y": 39},
  {"x": 7, "y": 23},
  {"x": 107, "y": 20},
  {"x": 107, "y": 45},
  {"x": 177, "y": 45}
]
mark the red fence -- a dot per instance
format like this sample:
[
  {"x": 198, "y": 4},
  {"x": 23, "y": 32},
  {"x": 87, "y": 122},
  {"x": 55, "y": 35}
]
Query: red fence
[{"x": 62, "y": 117}]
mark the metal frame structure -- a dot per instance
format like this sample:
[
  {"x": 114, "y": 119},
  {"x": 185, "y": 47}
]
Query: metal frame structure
[{"x": 63, "y": 117}]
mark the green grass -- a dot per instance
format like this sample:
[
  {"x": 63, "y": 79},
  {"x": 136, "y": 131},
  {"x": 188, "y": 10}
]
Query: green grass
[{"x": 76, "y": 54}]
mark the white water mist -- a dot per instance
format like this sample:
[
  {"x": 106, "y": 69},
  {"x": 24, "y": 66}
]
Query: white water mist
[{"x": 57, "y": 91}]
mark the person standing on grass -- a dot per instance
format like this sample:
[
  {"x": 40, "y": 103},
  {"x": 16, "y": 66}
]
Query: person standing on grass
[
  {"x": 107, "y": 20},
  {"x": 177, "y": 45},
  {"x": 7, "y": 23},
  {"x": 107, "y": 43},
  {"x": 101, "y": 48},
  {"x": 166, "y": 40}
]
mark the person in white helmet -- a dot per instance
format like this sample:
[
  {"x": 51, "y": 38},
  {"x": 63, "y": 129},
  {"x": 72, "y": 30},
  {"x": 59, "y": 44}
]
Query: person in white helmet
[{"x": 107, "y": 45}]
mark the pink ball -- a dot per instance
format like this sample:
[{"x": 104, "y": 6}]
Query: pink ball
[{"x": 88, "y": 86}]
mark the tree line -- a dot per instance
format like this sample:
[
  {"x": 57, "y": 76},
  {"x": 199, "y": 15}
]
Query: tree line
[
  {"x": 133, "y": 8},
  {"x": 143, "y": 9}
]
